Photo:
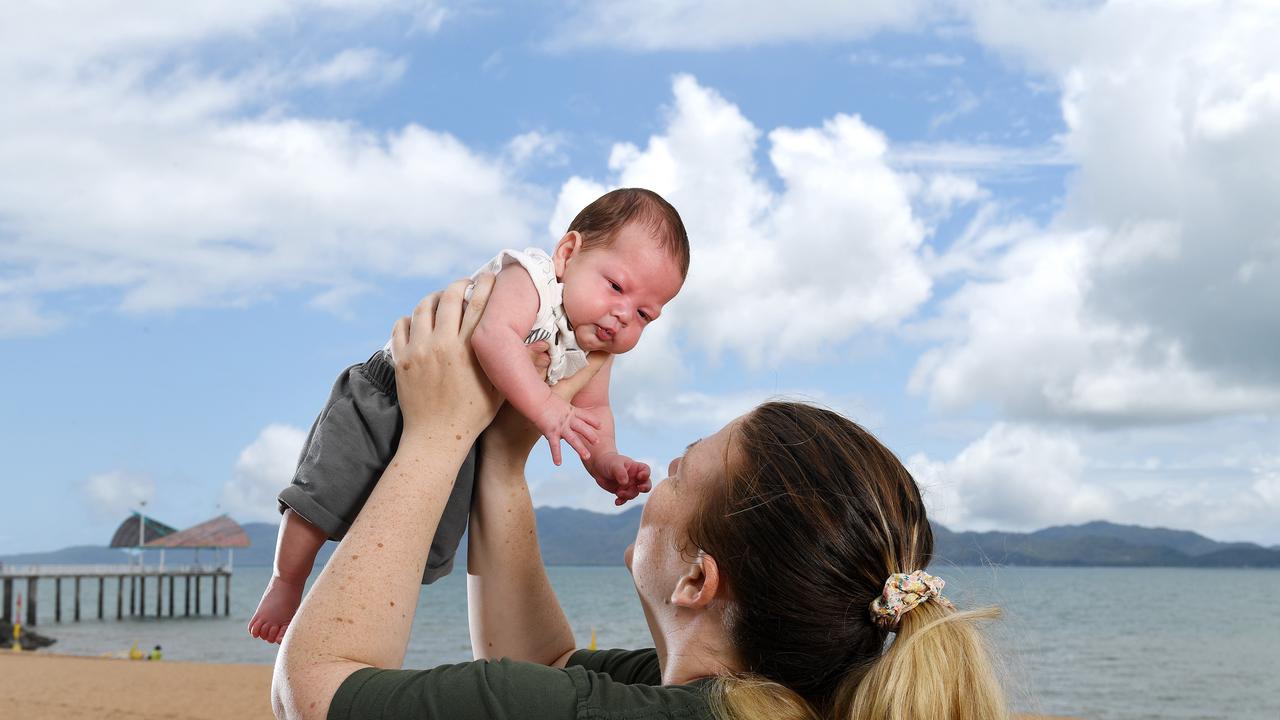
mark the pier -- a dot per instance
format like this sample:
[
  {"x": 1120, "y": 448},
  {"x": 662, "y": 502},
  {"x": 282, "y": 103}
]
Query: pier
[
  {"x": 126, "y": 584},
  {"x": 136, "y": 535}
]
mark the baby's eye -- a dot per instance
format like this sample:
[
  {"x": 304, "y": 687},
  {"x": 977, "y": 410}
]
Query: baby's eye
[
  {"x": 616, "y": 287},
  {"x": 643, "y": 315}
]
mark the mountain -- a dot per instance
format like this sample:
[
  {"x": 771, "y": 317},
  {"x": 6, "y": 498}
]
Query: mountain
[
  {"x": 579, "y": 537},
  {"x": 1184, "y": 541},
  {"x": 1098, "y": 544}
]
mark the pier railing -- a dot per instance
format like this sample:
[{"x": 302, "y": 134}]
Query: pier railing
[
  {"x": 22, "y": 571},
  {"x": 130, "y": 582}
]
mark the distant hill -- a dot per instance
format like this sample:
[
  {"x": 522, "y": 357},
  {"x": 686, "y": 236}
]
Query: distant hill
[
  {"x": 1098, "y": 544},
  {"x": 580, "y": 537}
]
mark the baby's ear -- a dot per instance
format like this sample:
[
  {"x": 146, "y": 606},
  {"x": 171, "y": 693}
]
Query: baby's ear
[{"x": 568, "y": 246}]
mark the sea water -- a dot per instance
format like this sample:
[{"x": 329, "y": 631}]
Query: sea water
[{"x": 1088, "y": 642}]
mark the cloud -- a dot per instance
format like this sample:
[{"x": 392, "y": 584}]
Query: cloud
[
  {"x": 906, "y": 62},
  {"x": 1014, "y": 477},
  {"x": 716, "y": 24},
  {"x": 576, "y": 489},
  {"x": 1150, "y": 297},
  {"x": 1025, "y": 476},
  {"x": 263, "y": 469},
  {"x": 115, "y": 493},
  {"x": 776, "y": 275},
  {"x": 1027, "y": 340},
  {"x": 193, "y": 186},
  {"x": 23, "y": 317},
  {"x": 367, "y": 65}
]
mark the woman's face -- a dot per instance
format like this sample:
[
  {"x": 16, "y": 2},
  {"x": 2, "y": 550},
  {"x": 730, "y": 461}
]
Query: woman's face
[{"x": 655, "y": 559}]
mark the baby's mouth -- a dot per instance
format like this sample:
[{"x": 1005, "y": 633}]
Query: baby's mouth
[{"x": 603, "y": 335}]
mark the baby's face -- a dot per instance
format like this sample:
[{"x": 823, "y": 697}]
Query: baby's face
[{"x": 611, "y": 294}]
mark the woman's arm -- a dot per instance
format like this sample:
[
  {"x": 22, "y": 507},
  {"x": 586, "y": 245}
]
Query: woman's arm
[
  {"x": 359, "y": 612},
  {"x": 511, "y": 608}
]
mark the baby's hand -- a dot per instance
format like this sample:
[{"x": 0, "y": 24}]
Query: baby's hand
[
  {"x": 622, "y": 476},
  {"x": 577, "y": 426}
]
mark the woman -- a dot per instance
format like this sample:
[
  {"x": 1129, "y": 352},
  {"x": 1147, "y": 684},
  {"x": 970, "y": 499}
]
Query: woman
[{"x": 772, "y": 566}]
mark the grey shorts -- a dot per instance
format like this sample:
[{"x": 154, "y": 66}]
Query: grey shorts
[{"x": 349, "y": 446}]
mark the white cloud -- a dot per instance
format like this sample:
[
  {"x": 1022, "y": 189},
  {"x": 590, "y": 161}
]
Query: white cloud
[
  {"x": 366, "y": 65},
  {"x": 1024, "y": 476},
  {"x": 263, "y": 469},
  {"x": 1028, "y": 340},
  {"x": 777, "y": 276},
  {"x": 115, "y": 493},
  {"x": 576, "y": 489},
  {"x": 1151, "y": 296},
  {"x": 1015, "y": 477},
  {"x": 906, "y": 62},
  {"x": 714, "y": 24},
  {"x": 702, "y": 410},
  {"x": 20, "y": 317},
  {"x": 129, "y": 168}
]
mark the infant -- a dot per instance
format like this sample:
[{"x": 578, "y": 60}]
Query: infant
[{"x": 623, "y": 258}]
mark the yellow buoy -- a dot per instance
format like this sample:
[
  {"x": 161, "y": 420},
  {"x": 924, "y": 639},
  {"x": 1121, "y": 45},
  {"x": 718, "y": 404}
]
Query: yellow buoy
[{"x": 592, "y": 646}]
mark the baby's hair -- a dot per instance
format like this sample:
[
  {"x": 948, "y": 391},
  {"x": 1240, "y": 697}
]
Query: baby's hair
[{"x": 599, "y": 222}]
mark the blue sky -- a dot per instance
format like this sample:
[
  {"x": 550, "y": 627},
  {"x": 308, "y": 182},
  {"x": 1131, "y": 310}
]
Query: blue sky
[{"x": 1029, "y": 245}]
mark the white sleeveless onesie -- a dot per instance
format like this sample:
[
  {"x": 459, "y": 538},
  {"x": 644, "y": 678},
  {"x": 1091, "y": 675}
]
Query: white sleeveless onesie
[{"x": 550, "y": 325}]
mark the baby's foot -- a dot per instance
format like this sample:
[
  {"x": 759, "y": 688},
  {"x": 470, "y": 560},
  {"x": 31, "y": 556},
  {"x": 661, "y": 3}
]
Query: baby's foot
[{"x": 276, "y": 608}]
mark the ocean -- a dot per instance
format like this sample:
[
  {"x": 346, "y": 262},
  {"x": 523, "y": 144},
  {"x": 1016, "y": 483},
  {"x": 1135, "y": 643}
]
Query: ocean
[{"x": 1168, "y": 643}]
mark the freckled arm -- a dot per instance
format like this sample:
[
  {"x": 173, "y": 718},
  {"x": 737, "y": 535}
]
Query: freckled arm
[{"x": 513, "y": 611}]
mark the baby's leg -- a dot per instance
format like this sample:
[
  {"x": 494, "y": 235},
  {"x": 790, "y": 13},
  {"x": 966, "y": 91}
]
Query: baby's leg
[
  {"x": 296, "y": 547},
  {"x": 349, "y": 446}
]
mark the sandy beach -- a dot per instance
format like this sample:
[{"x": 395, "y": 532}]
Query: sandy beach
[{"x": 63, "y": 687}]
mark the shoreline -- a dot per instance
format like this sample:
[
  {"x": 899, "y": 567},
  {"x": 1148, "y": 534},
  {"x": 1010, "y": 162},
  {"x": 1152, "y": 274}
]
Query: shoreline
[{"x": 72, "y": 687}]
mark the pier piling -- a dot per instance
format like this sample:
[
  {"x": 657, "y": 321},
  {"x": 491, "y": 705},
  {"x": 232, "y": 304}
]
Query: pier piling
[
  {"x": 32, "y": 589},
  {"x": 57, "y": 599},
  {"x": 77, "y": 586},
  {"x": 102, "y": 581},
  {"x": 7, "y": 615}
]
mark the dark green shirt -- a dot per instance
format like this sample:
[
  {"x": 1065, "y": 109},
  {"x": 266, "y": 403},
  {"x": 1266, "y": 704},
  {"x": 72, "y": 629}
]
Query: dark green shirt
[{"x": 596, "y": 685}]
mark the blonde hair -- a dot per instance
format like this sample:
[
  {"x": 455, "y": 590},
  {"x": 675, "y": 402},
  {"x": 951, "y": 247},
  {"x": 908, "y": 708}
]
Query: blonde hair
[{"x": 812, "y": 518}]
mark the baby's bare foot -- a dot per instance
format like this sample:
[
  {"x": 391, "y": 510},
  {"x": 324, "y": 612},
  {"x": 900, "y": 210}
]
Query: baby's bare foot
[{"x": 275, "y": 609}]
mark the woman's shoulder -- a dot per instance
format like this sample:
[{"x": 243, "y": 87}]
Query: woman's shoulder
[
  {"x": 594, "y": 684},
  {"x": 627, "y": 666}
]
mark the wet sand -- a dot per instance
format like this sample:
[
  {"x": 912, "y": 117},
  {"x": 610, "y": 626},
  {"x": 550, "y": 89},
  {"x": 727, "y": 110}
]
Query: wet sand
[{"x": 62, "y": 687}]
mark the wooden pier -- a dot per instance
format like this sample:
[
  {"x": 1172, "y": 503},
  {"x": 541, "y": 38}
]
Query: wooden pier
[{"x": 128, "y": 580}]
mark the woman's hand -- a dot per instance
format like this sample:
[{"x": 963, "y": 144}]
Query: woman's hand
[{"x": 438, "y": 378}]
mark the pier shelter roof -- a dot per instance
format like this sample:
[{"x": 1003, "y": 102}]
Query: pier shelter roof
[
  {"x": 127, "y": 534},
  {"x": 220, "y": 532}
]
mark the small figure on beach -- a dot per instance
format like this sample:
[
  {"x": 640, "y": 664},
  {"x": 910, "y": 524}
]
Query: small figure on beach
[{"x": 623, "y": 257}]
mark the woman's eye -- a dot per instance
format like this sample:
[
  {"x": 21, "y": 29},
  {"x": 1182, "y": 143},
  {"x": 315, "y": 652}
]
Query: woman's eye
[{"x": 616, "y": 287}]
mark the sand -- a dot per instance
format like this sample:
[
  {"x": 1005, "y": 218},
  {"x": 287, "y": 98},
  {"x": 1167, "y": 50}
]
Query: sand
[{"x": 61, "y": 687}]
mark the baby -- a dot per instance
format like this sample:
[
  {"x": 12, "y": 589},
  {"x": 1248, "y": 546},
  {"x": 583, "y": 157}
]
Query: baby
[{"x": 623, "y": 258}]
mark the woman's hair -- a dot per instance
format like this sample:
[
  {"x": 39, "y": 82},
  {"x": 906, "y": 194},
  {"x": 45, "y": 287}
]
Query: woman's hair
[
  {"x": 600, "y": 222},
  {"x": 813, "y": 517}
]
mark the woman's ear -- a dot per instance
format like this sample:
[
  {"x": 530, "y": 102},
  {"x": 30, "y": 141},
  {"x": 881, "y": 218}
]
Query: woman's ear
[
  {"x": 568, "y": 246},
  {"x": 700, "y": 585}
]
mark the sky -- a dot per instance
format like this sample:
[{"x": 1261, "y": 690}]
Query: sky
[{"x": 1033, "y": 246}]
